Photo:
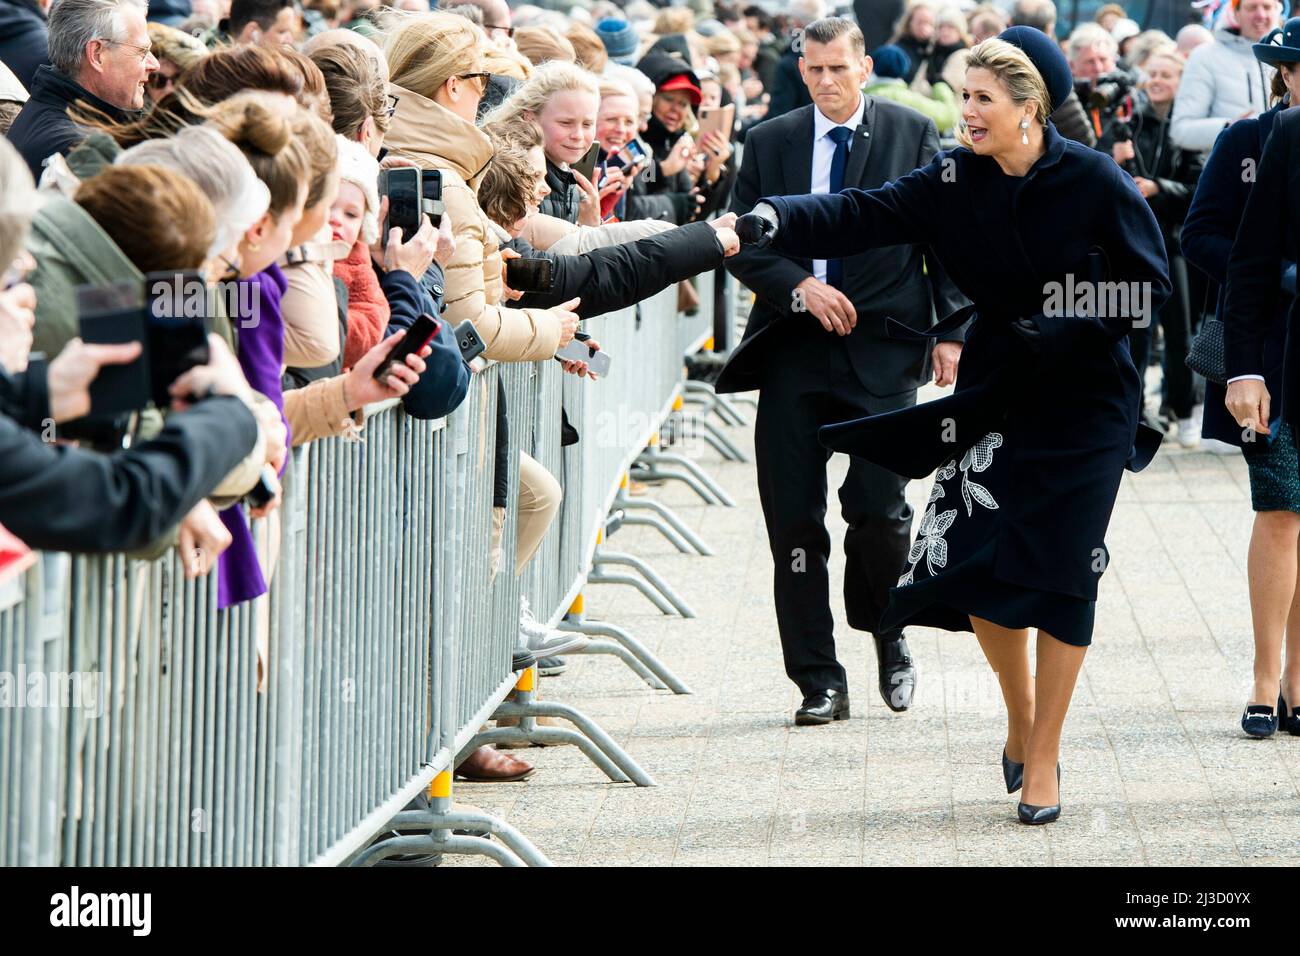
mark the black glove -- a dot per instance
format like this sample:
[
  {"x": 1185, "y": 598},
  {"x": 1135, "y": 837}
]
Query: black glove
[
  {"x": 1029, "y": 331},
  {"x": 757, "y": 228}
]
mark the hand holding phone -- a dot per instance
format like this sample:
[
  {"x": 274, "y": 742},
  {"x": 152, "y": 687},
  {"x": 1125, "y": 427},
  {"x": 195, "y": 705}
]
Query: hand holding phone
[
  {"x": 469, "y": 341},
  {"x": 529, "y": 275},
  {"x": 402, "y": 187},
  {"x": 419, "y": 335},
  {"x": 583, "y": 356},
  {"x": 586, "y": 166}
]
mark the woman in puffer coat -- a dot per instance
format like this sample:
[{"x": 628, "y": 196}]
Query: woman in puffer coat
[{"x": 436, "y": 62}]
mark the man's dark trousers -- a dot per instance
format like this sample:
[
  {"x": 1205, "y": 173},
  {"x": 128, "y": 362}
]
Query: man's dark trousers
[{"x": 812, "y": 384}]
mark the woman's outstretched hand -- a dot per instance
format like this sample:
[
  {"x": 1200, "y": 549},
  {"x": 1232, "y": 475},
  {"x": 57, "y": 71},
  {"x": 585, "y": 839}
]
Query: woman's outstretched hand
[{"x": 757, "y": 228}]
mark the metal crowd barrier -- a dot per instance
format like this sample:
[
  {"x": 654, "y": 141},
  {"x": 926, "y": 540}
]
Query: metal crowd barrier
[{"x": 293, "y": 729}]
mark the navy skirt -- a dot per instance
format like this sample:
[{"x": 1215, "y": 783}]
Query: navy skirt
[{"x": 961, "y": 519}]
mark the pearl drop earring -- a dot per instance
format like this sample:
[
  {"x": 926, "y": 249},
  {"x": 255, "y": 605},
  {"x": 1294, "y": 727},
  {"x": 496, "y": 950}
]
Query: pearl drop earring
[{"x": 1024, "y": 131}]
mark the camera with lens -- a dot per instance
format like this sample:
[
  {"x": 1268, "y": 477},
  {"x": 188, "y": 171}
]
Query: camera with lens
[{"x": 1108, "y": 91}]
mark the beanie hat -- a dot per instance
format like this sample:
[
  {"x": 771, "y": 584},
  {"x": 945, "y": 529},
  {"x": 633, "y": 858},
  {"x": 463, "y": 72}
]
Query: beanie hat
[
  {"x": 890, "y": 62},
  {"x": 358, "y": 167},
  {"x": 620, "y": 39},
  {"x": 1047, "y": 59}
]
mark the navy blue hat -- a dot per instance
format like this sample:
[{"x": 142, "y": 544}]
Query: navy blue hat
[
  {"x": 620, "y": 39},
  {"x": 890, "y": 61},
  {"x": 1047, "y": 59},
  {"x": 1280, "y": 46}
]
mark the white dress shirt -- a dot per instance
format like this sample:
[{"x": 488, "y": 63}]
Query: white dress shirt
[{"x": 823, "y": 153}]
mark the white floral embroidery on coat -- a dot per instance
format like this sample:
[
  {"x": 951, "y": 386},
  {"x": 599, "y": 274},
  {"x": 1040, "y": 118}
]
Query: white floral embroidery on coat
[{"x": 930, "y": 543}]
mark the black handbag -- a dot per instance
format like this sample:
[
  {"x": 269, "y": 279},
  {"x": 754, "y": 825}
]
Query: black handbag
[{"x": 1206, "y": 354}]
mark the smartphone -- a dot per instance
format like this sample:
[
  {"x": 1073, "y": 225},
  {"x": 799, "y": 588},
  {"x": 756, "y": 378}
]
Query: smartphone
[
  {"x": 529, "y": 275},
  {"x": 401, "y": 185},
  {"x": 469, "y": 341},
  {"x": 113, "y": 315},
  {"x": 420, "y": 334},
  {"x": 636, "y": 155},
  {"x": 587, "y": 165},
  {"x": 262, "y": 493},
  {"x": 176, "y": 328},
  {"x": 717, "y": 119},
  {"x": 579, "y": 351},
  {"x": 431, "y": 193}
]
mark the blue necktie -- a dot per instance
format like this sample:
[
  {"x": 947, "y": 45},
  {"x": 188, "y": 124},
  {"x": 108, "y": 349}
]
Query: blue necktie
[{"x": 841, "y": 136}]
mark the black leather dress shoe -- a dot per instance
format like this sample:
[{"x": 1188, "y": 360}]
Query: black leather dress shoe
[
  {"x": 822, "y": 707},
  {"x": 897, "y": 673}
]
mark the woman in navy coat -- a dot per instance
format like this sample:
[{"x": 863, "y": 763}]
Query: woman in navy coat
[
  {"x": 1272, "y": 459},
  {"x": 1060, "y": 254}
]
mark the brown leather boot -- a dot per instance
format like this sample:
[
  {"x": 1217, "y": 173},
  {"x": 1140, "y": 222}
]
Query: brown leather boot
[{"x": 488, "y": 765}]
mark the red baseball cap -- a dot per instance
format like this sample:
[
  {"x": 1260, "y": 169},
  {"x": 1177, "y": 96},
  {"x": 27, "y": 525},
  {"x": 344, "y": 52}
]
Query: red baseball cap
[{"x": 682, "y": 81}]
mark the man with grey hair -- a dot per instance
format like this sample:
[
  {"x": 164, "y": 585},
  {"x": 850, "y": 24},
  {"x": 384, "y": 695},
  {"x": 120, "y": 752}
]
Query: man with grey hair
[{"x": 100, "y": 60}]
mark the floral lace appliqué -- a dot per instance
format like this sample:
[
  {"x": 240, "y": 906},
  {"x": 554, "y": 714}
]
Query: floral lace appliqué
[{"x": 930, "y": 543}]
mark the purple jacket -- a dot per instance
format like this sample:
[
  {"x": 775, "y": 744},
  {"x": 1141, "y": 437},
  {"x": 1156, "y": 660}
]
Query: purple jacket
[{"x": 261, "y": 356}]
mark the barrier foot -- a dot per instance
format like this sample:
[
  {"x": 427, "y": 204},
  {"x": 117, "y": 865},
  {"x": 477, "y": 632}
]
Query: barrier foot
[
  {"x": 655, "y": 455},
  {"x": 630, "y": 643},
  {"x": 527, "y": 708},
  {"x": 651, "y": 594},
  {"x": 603, "y": 557},
  {"x": 714, "y": 402},
  {"x": 439, "y": 820},
  {"x": 667, "y": 514},
  {"x": 481, "y": 846},
  {"x": 673, "y": 537},
  {"x": 711, "y": 431},
  {"x": 624, "y": 655},
  {"x": 642, "y": 472}
]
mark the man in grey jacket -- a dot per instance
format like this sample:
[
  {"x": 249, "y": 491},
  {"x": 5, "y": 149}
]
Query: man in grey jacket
[{"x": 1223, "y": 82}]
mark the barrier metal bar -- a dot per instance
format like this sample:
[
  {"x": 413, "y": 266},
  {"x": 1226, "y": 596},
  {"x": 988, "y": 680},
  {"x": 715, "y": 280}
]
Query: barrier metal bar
[{"x": 291, "y": 729}]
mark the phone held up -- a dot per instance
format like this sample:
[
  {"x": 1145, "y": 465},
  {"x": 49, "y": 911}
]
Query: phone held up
[
  {"x": 167, "y": 313},
  {"x": 598, "y": 361},
  {"x": 403, "y": 187},
  {"x": 420, "y": 334},
  {"x": 529, "y": 275}
]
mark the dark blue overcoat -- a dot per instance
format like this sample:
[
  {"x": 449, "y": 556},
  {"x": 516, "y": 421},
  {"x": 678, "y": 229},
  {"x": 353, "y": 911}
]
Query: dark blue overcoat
[{"x": 1066, "y": 407}]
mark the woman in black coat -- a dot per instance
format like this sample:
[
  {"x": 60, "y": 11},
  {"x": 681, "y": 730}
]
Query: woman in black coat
[
  {"x": 1026, "y": 223},
  {"x": 1265, "y": 248}
]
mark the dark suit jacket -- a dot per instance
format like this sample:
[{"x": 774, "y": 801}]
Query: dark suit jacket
[
  {"x": 901, "y": 282},
  {"x": 1269, "y": 232}
]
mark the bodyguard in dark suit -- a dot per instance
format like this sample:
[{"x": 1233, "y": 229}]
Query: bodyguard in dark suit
[{"x": 817, "y": 349}]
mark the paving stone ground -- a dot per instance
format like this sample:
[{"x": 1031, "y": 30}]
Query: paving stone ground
[{"x": 1156, "y": 770}]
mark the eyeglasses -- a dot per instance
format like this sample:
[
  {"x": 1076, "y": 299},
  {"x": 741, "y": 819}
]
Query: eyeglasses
[
  {"x": 390, "y": 104},
  {"x": 509, "y": 31},
  {"x": 481, "y": 77},
  {"x": 142, "y": 52},
  {"x": 160, "y": 80}
]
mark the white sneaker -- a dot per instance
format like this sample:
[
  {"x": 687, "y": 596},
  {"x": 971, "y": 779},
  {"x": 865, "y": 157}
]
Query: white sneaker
[
  {"x": 1216, "y": 447},
  {"x": 1189, "y": 432},
  {"x": 545, "y": 641}
]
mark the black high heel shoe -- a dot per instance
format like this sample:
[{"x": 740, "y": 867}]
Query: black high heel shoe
[
  {"x": 1259, "y": 720},
  {"x": 1288, "y": 718},
  {"x": 1035, "y": 816},
  {"x": 1013, "y": 773}
]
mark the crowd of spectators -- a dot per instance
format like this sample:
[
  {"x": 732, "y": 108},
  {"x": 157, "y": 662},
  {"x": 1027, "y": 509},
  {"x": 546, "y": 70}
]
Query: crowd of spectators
[{"x": 244, "y": 145}]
